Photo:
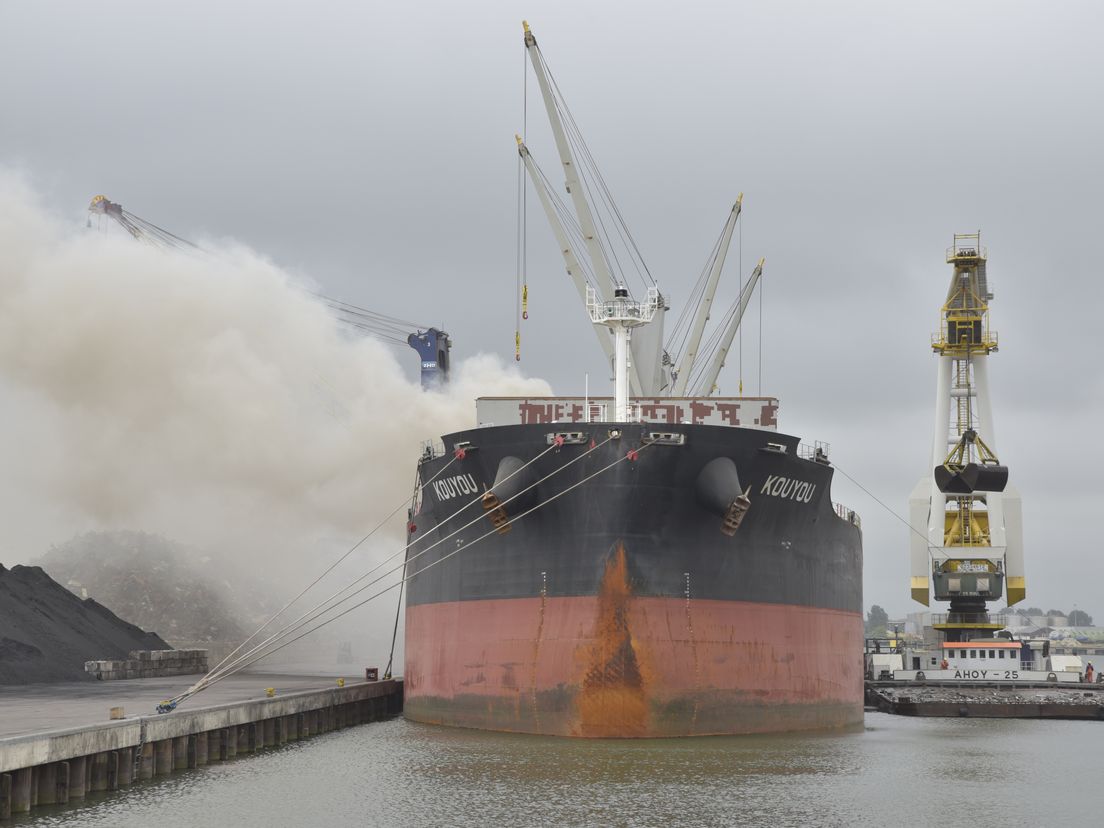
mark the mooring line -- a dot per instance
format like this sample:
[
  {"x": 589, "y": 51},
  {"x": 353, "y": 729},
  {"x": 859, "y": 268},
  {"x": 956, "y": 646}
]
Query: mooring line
[
  {"x": 244, "y": 660},
  {"x": 321, "y": 608},
  {"x": 632, "y": 454}
]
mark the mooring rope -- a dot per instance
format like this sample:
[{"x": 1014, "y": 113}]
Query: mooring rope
[
  {"x": 223, "y": 670},
  {"x": 320, "y": 608},
  {"x": 328, "y": 570},
  {"x": 629, "y": 455}
]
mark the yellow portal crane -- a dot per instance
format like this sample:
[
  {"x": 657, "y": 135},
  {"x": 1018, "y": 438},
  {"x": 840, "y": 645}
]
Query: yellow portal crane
[{"x": 974, "y": 538}]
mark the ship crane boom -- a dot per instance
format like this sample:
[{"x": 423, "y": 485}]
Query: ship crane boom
[
  {"x": 648, "y": 367},
  {"x": 571, "y": 170},
  {"x": 709, "y": 378},
  {"x": 686, "y": 364},
  {"x": 571, "y": 260}
]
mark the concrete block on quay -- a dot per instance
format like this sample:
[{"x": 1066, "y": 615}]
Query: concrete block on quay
[{"x": 149, "y": 664}]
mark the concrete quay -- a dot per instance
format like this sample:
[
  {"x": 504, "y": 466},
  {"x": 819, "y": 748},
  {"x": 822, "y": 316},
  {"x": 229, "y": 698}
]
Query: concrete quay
[{"x": 48, "y": 767}]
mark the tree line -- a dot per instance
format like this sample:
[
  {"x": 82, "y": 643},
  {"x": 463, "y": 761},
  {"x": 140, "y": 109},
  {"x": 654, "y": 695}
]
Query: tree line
[{"x": 877, "y": 619}]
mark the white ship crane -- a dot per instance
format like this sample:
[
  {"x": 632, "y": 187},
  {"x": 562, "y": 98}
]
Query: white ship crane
[
  {"x": 686, "y": 364},
  {"x": 574, "y": 268},
  {"x": 968, "y": 547},
  {"x": 651, "y": 371},
  {"x": 708, "y": 382}
]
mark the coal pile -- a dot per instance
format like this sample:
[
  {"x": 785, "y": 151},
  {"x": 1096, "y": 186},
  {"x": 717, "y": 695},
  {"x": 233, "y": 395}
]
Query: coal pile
[
  {"x": 156, "y": 583},
  {"x": 47, "y": 632}
]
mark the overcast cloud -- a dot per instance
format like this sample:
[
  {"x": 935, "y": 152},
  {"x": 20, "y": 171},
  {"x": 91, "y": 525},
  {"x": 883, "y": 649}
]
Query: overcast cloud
[{"x": 370, "y": 147}]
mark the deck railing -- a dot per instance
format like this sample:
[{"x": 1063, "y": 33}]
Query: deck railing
[{"x": 848, "y": 514}]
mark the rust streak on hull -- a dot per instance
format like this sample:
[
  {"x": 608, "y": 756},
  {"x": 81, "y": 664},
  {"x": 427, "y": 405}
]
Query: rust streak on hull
[{"x": 612, "y": 699}]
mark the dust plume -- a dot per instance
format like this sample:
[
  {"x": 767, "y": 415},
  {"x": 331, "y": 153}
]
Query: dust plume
[{"x": 210, "y": 399}]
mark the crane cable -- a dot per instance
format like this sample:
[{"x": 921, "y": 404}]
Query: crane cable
[
  {"x": 740, "y": 265},
  {"x": 521, "y": 298},
  {"x": 680, "y": 333},
  {"x": 575, "y": 136},
  {"x": 631, "y": 455},
  {"x": 571, "y": 227},
  {"x": 388, "y": 328}
]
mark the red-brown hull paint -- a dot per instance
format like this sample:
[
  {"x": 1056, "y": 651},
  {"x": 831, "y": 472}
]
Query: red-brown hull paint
[{"x": 697, "y": 667}]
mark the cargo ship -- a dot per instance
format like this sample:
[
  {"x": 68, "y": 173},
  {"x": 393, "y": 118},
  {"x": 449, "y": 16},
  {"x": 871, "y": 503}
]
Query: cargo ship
[{"x": 660, "y": 563}]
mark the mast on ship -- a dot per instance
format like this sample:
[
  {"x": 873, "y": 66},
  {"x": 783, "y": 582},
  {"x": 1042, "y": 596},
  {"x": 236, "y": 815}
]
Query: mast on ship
[
  {"x": 621, "y": 314},
  {"x": 649, "y": 369},
  {"x": 973, "y": 548}
]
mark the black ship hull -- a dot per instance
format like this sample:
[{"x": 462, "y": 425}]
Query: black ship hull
[{"x": 609, "y": 602}]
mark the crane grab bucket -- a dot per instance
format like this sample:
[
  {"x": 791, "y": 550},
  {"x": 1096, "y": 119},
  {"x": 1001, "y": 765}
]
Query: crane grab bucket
[
  {"x": 958, "y": 475},
  {"x": 973, "y": 477}
]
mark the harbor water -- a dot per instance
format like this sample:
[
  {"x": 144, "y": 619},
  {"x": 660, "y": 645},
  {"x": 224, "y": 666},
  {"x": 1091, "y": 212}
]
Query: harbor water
[{"x": 892, "y": 771}]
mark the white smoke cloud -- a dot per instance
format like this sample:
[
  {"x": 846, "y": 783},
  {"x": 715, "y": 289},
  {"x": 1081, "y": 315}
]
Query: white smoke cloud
[{"x": 210, "y": 399}]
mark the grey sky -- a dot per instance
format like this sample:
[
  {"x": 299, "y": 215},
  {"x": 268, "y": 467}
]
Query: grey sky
[{"x": 371, "y": 147}]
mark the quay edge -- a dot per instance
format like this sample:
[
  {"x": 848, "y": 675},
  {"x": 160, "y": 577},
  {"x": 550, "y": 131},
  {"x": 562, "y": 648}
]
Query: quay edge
[{"x": 54, "y": 767}]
